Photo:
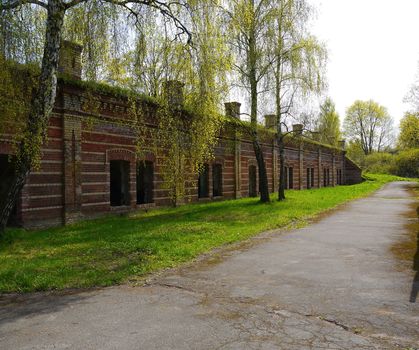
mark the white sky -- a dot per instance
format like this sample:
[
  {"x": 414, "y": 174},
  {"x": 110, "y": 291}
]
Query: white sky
[{"x": 373, "y": 50}]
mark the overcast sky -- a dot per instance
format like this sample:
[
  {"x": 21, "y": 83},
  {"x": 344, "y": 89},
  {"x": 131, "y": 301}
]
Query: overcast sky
[{"x": 373, "y": 50}]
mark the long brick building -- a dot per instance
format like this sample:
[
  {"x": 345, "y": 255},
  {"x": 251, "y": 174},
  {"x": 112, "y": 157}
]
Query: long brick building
[{"x": 89, "y": 169}]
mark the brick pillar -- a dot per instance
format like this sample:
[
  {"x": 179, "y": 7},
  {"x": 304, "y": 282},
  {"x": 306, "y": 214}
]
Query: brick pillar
[
  {"x": 72, "y": 168},
  {"x": 320, "y": 168},
  {"x": 70, "y": 59},
  {"x": 271, "y": 121},
  {"x": 210, "y": 187},
  {"x": 275, "y": 167},
  {"x": 343, "y": 168},
  {"x": 301, "y": 166},
  {"x": 237, "y": 167}
]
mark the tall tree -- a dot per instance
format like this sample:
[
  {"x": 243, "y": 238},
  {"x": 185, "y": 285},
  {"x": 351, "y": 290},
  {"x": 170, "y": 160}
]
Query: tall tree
[
  {"x": 409, "y": 131},
  {"x": 329, "y": 123},
  {"x": 250, "y": 24},
  {"x": 369, "y": 124},
  {"x": 299, "y": 60},
  {"x": 34, "y": 135},
  {"x": 203, "y": 68},
  {"x": 22, "y": 34}
]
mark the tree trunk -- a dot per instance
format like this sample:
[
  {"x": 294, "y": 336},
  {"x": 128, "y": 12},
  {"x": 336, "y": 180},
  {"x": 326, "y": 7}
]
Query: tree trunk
[
  {"x": 29, "y": 149},
  {"x": 263, "y": 176},
  {"x": 279, "y": 135},
  {"x": 252, "y": 61},
  {"x": 281, "y": 188}
]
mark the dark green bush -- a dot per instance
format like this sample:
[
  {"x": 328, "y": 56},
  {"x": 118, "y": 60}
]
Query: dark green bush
[{"x": 406, "y": 163}]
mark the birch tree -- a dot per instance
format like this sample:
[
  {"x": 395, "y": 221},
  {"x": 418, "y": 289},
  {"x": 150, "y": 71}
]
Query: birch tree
[
  {"x": 250, "y": 25},
  {"x": 29, "y": 148},
  {"x": 299, "y": 60},
  {"x": 202, "y": 68}
]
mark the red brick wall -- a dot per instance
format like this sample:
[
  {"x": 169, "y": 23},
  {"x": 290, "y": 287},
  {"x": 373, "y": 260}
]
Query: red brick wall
[{"x": 73, "y": 180}]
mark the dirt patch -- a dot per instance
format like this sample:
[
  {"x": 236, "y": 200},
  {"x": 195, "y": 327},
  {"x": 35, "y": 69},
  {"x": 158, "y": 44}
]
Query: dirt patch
[{"x": 407, "y": 250}]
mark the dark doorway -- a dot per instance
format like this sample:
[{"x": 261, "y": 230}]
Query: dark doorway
[
  {"x": 339, "y": 176},
  {"x": 252, "y": 181},
  {"x": 290, "y": 178},
  {"x": 308, "y": 180},
  {"x": 312, "y": 177},
  {"x": 324, "y": 177},
  {"x": 7, "y": 172},
  {"x": 145, "y": 182},
  {"x": 203, "y": 182},
  {"x": 119, "y": 170},
  {"x": 217, "y": 180}
]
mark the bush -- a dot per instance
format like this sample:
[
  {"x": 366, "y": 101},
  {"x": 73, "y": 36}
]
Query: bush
[
  {"x": 406, "y": 163},
  {"x": 379, "y": 163}
]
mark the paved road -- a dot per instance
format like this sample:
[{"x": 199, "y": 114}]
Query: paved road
[{"x": 331, "y": 285}]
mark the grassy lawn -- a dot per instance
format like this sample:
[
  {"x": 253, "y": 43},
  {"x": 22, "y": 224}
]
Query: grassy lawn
[{"x": 114, "y": 249}]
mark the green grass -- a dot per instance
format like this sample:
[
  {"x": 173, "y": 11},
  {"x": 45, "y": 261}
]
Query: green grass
[{"x": 115, "y": 249}]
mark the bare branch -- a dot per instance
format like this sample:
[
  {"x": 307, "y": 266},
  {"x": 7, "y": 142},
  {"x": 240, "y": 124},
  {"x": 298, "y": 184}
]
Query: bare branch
[{"x": 164, "y": 7}]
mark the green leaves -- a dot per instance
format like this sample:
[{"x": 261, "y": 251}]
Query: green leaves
[
  {"x": 409, "y": 131},
  {"x": 329, "y": 123},
  {"x": 369, "y": 124}
]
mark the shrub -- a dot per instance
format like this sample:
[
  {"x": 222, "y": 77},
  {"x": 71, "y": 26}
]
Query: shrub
[
  {"x": 379, "y": 163},
  {"x": 406, "y": 163}
]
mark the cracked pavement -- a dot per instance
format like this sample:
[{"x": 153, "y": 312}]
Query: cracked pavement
[{"x": 332, "y": 285}]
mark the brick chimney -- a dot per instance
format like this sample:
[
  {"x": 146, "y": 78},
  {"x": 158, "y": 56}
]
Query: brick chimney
[
  {"x": 70, "y": 59},
  {"x": 342, "y": 144},
  {"x": 315, "y": 135},
  {"x": 232, "y": 109},
  {"x": 270, "y": 121},
  {"x": 297, "y": 129},
  {"x": 173, "y": 92}
]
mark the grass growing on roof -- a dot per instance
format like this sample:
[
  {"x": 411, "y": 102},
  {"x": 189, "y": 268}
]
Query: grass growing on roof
[{"x": 114, "y": 249}]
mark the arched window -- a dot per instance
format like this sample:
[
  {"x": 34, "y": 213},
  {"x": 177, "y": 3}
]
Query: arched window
[
  {"x": 145, "y": 182},
  {"x": 203, "y": 182},
  {"x": 217, "y": 180}
]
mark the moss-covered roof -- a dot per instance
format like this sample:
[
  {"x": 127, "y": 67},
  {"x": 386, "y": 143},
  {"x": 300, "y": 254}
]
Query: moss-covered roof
[
  {"x": 106, "y": 89},
  {"x": 124, "y": 93},
  {"x": 272, "y": 132}
]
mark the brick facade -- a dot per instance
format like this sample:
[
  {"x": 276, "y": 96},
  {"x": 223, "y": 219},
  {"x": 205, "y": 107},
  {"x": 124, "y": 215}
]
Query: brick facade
[{"x": 74, "y": 180}]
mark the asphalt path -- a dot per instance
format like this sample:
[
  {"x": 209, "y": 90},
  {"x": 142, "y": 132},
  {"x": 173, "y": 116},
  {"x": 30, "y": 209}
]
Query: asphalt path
[{"x": 334, "y": 284}]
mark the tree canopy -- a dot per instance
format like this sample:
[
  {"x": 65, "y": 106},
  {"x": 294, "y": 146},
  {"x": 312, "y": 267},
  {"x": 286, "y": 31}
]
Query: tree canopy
[
  {"x": 370, "y": 125},
  {"x": 409, "y": 131},
  {"x": 329, "y": 123},
  {"x": 144, "y": 44}
]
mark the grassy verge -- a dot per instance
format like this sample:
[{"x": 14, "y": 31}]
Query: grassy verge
[{"x": 114, "y": 249}]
